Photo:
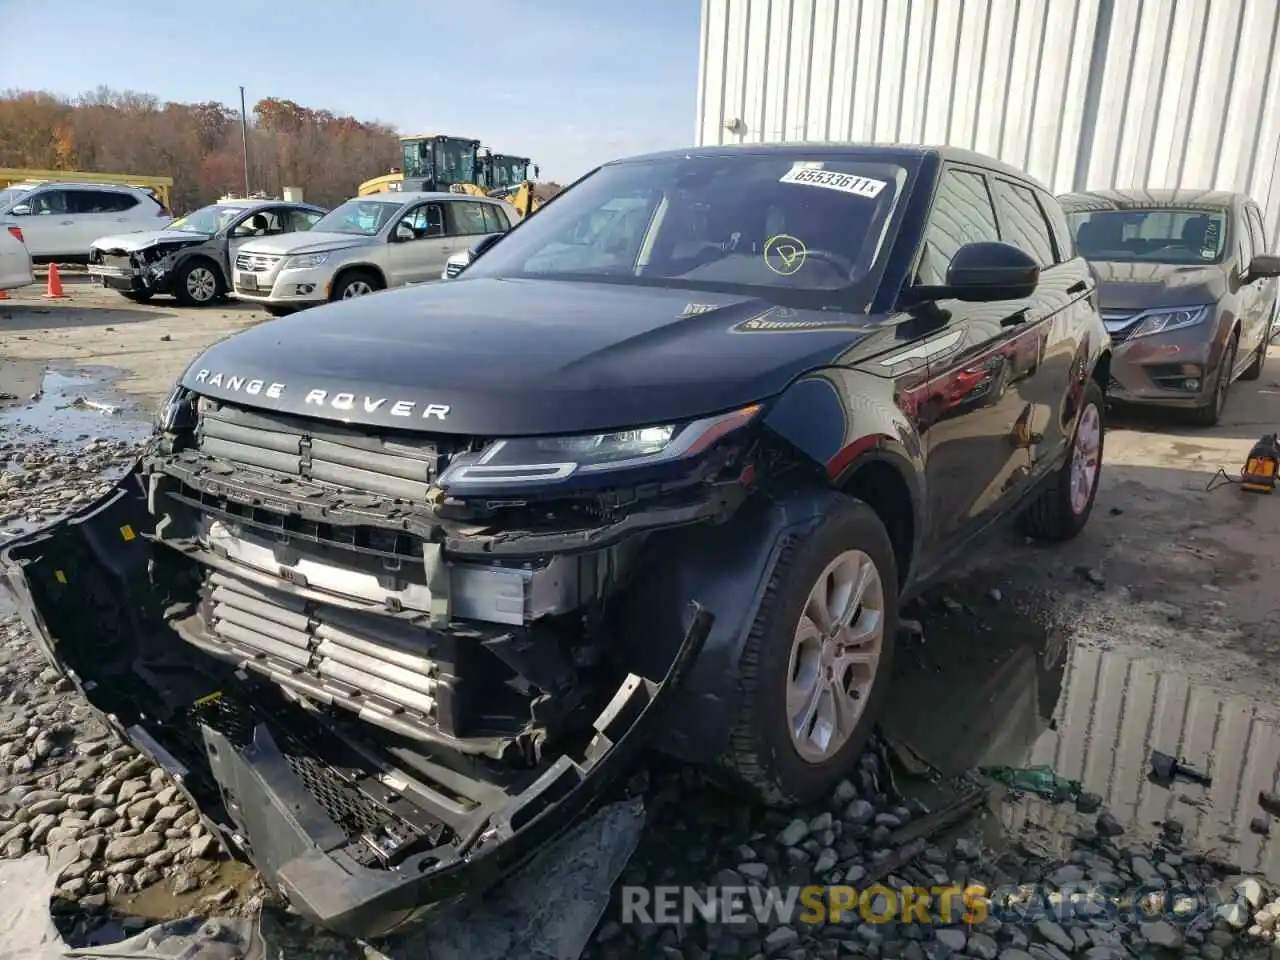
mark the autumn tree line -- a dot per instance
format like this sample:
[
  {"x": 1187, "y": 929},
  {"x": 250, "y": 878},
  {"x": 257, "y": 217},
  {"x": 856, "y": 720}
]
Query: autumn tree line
[{"x": 197, "y": 144}]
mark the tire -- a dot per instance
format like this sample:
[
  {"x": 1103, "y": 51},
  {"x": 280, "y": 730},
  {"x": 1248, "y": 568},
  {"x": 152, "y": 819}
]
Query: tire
[
  {"x": 276, "y": 311},
  {"x": 1254, "y": 370},
  {"x": 1061, "y": 509},
  {"x": 762, "y": 754},
  {"x": 356, "y": 283},
  {"x": 137, "y": 296},
  {"x": 1211, "y": 413},
  {"x": 198, "y": 283}
]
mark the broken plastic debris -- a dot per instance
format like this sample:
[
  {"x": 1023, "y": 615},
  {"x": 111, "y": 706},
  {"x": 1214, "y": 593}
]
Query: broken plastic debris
[
  {"x": 1166, "y": 768},
  {"x": 1041, "y": 780}
]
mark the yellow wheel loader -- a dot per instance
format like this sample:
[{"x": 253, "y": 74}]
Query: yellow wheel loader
[{"x": 433, "y": 161}]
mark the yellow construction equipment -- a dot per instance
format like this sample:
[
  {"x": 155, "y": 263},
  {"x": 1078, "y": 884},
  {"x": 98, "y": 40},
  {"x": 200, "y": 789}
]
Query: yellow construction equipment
[
  {"x": 431, "y": 161},
  {"x": 159, "y": 186}
]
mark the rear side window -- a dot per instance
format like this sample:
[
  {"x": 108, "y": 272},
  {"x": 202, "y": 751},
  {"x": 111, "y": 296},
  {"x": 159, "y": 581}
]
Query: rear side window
[
  {"x": 495, "y": 220},
  {"x": 468, "y": 218},
  {"x": 962, "y": 213},
  {"x": 1244, "y": 241},
  {"x": 303, "y": 219},
  {"x": 1021, "y": 222},
  {"x": 1061, "y": 230},
  {"x": 99, "y": 201}
]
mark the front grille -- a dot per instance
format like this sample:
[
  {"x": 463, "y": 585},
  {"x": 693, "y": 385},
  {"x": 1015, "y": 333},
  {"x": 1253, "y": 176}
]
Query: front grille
[
  {"x": 398, "y": 468},
  {"x": 113, "y": 260},
  {"x": 256, "y": 262},
  {"x": 1120, "y": 325}
]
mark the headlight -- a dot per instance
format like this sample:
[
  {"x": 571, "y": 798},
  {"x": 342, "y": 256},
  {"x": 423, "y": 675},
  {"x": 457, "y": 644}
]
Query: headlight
[
  {"x": 1164, "y": 321},
  {"x": 305, "y": 260},
  {"x": 178, "y": 411},
  {"x": 540, "y": 460}
]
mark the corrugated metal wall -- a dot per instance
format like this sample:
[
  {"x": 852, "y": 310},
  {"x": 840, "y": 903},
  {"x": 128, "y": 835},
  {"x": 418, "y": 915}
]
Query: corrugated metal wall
[{"x": 1080, "y": 93}]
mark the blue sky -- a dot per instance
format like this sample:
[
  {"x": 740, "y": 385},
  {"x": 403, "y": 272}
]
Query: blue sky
[{"x": 567, "y": 82}]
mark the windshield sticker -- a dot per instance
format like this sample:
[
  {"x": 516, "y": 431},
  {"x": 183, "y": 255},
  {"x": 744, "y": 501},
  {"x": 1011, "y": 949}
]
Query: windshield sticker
[
  {"x": 831, "y": 180},
  {"x": 784, "y": 254}
]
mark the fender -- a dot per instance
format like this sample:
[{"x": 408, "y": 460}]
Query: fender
[{"x": 730, "y": 566}]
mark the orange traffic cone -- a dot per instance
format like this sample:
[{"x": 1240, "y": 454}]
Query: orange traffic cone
[
  {"x": 3, "y": 294},
  {"x": 54, "y": 291}
]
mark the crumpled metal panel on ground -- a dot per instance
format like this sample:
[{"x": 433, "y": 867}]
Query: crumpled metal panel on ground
[{"x": 546, "y": 912}]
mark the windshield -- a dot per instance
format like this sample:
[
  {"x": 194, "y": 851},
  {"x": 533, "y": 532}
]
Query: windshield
[
  {"x": 361, "y": 218},
  {"x": 207, "y": 220},
  {"x": 417, "y": 159},
  {"x": 11, "y": 195},
  {"x": 795, "y": 232},
  {"x": 508, "y": 171},
  {"x": 456, "y": 161},
  {"x": 1179, "y": 235}
]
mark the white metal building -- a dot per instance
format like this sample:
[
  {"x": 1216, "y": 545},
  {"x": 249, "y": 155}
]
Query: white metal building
[{"x": 1080, "y": 93}]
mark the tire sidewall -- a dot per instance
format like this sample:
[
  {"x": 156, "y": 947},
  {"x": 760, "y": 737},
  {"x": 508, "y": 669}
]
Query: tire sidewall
[
  {"x": 857, "y": 528},
  {"x": 180, "y": 283},
  {"x": 1094, "y": 396},
  {"x": 351, "y": 278}
]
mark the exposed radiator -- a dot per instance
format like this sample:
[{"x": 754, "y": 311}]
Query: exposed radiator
[{"x": 323, "y": 652}]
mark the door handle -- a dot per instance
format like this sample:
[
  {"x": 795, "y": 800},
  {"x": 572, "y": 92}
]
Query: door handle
[
  {"x": 1078, "y": 287},
  {"x": 1019, "y": 316}
]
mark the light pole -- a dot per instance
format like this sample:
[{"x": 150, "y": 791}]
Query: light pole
[{"x": 244, "y": 140}]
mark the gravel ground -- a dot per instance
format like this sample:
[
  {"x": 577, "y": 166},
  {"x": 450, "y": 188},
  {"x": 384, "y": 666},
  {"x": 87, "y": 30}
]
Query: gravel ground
[{"x": 1166, "y": 571}]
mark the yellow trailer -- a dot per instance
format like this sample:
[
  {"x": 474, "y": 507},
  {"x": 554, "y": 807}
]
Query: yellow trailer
[{"x": 160, "y": 186}]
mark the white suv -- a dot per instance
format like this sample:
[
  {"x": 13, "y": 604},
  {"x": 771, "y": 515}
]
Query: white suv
[
  {"x": 367, "y": 244},
  {"x": 61, "y": 220}
]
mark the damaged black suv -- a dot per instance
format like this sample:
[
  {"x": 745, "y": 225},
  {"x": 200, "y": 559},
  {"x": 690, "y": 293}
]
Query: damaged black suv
[{"x": 401, "y": 584}]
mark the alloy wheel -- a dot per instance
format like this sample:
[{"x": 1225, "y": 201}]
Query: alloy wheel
[{"x": 835, "y": 656}]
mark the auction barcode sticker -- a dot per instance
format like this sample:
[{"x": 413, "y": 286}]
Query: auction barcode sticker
[{"x": 831, "y": 180}]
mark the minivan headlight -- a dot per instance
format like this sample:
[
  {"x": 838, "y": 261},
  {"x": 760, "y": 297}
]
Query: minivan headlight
[
  {"x": 1169, "y": 319},
  {"x": 540, "y": 460}
]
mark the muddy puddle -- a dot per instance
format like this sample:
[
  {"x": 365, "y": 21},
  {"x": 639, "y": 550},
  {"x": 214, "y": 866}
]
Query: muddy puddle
[
  {"x": 990, "y": 686},
  {"x": 68, "y": 406}
]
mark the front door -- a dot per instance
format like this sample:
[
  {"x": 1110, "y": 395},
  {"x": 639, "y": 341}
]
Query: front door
[
  {"x": 979, "y": 412},
  {"x": 49, "y": 227},
  {"x": 421, "y": 258}
]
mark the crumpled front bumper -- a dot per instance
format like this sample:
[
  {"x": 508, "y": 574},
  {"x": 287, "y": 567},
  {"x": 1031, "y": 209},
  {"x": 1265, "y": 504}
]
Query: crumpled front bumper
[{"x": 265, "y": 810}]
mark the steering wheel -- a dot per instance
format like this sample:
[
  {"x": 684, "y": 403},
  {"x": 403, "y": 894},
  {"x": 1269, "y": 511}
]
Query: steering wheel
[{"x": 842, "y": 264}]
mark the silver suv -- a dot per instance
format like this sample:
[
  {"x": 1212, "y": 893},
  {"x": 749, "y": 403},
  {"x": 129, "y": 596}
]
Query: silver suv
[
  {"x": 60, "y": 221},
  {"x": 367, "y": 244}
]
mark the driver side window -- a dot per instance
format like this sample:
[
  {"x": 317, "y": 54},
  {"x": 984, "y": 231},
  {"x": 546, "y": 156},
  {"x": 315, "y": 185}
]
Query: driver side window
[
  {"x": 962, "y": 213},
  {"x": 426, "y": 221},
  {"x": 264, "y": 223},
  {"x": 48, "y": 202}
]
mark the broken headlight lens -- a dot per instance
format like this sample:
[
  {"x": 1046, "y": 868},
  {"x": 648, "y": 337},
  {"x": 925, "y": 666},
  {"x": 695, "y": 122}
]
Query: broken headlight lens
[
  {"x": 1167, "y": 320},
  {"x": 178, "y": 411},
  {"x": 304, "y": 261},
  {"x": 533, "y": 460}
]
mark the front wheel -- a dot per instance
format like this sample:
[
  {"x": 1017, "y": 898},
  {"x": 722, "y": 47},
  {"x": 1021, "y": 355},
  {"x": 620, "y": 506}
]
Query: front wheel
[
  {"x": 198, "y": 283},
  {"x": 357, "y": 283},
  {"x": 1211, "y": 412},
  {"x": 817, "y": 661},
  {"x": 1062, "y": 508}
]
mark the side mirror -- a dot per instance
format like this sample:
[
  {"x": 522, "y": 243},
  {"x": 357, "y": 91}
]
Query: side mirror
[
  {"x": 484, "y": 243},
  {"x": 1264, "y": 265},
  {"x": 403, "y": 233},
  {"x": 987, "y": 271},
  {"x": 21, "y": 210}
]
